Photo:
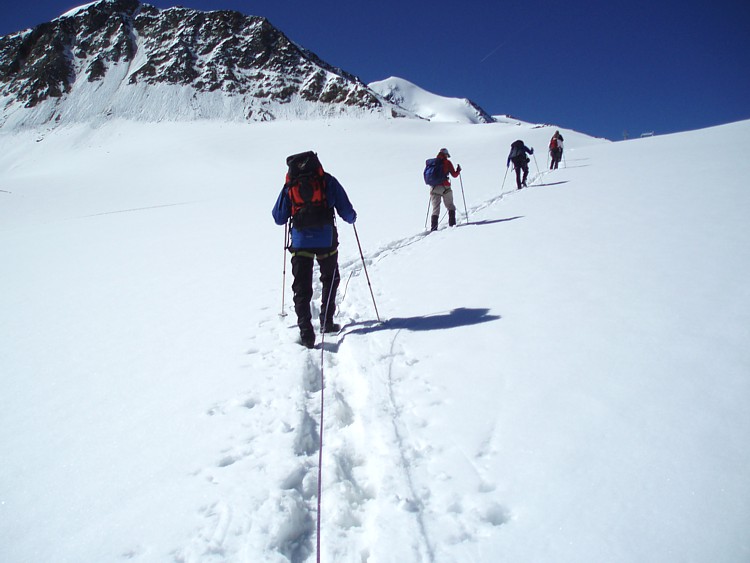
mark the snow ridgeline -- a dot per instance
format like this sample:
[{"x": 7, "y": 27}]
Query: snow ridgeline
[{"x": 428, "y": 105}]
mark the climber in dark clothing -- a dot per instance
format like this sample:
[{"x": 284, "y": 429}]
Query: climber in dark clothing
[{"x": 517, "y": 156}]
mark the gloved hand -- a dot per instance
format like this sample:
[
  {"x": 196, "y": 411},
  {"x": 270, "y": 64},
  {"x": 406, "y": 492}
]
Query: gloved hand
[
  {"x": 532, "y": 150},
  {"x": 458, "y": 169}
]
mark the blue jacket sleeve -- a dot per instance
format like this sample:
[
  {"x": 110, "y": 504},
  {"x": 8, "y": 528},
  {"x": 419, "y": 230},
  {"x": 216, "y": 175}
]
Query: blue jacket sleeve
[
  {"x": 338, "y": 199},
  {"x": 283, "y": 208}
]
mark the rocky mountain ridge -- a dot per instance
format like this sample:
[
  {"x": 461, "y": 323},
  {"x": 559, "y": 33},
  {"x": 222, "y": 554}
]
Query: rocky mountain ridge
[{"x": 126, "y": 59}]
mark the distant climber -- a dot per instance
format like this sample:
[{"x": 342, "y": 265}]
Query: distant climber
[
  {"x": 517, "y": 156},
  {"x": 437, "y": 175},
  {"x": 555, "y": 150}
]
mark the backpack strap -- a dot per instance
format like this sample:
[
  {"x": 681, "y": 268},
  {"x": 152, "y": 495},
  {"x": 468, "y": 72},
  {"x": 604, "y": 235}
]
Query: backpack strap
[{"x": 307, "y": 254}]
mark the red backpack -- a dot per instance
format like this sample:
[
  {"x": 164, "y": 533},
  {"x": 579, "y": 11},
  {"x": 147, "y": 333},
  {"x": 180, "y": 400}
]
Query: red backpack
[
  {"x": 305, "y": 183},
  {"x": 553, "y": 143}
]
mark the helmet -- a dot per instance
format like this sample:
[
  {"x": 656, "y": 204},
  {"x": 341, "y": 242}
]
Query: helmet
[{"x": 445, "y": 152}]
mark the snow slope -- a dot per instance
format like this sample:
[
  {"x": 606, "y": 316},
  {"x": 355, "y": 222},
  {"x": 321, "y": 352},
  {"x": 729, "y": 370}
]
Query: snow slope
[{"x": 562, "y": 379}]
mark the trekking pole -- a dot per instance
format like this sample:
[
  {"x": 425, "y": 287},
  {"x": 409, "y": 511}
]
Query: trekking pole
[
  {"x": 538, "y": 172},
  {"x": 427, "y": 217},
  {"x": 283, "y": 275},
  {"x": 366, "y": 274},
  {"x": 461, "y": 179},
  {"x": 504, "y": 177}
]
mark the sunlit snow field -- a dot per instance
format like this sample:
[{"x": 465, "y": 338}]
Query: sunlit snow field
[{"x": 564, "y": 377}]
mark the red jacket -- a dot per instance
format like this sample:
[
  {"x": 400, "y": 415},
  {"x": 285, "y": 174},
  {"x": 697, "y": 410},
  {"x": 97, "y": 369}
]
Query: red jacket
[{"x": 448, "y": 169}]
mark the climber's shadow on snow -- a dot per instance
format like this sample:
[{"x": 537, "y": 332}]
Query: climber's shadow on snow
[
  {"x": 549, "y": 184},
  {"x": 441, "y": 321},
  {"x": 489, "y": 221}
]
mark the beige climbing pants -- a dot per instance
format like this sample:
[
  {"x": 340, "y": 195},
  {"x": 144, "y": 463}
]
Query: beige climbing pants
[{"x": 444, "y": 193}]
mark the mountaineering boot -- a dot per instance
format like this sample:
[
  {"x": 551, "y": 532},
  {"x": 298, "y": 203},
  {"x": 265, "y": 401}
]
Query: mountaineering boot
[
  {"x": 329, "y": 327},
  {"x": 307, "y": 338},
  {"x": 307, "y": 335},
  {"x": 452, "y": 218},
  {"x": 434, "y": 224}
]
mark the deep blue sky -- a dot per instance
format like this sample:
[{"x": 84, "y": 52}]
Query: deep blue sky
[{"x": 602, "y": 68}]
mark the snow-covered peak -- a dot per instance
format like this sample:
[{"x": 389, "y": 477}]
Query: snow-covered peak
[{"x": 428, "y": 105}]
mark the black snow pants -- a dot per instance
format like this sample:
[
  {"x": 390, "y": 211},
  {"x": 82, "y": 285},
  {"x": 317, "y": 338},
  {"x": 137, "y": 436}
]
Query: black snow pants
[
  {"x": 521, "y": 164},
  {"x": 302, "y": 286}
]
